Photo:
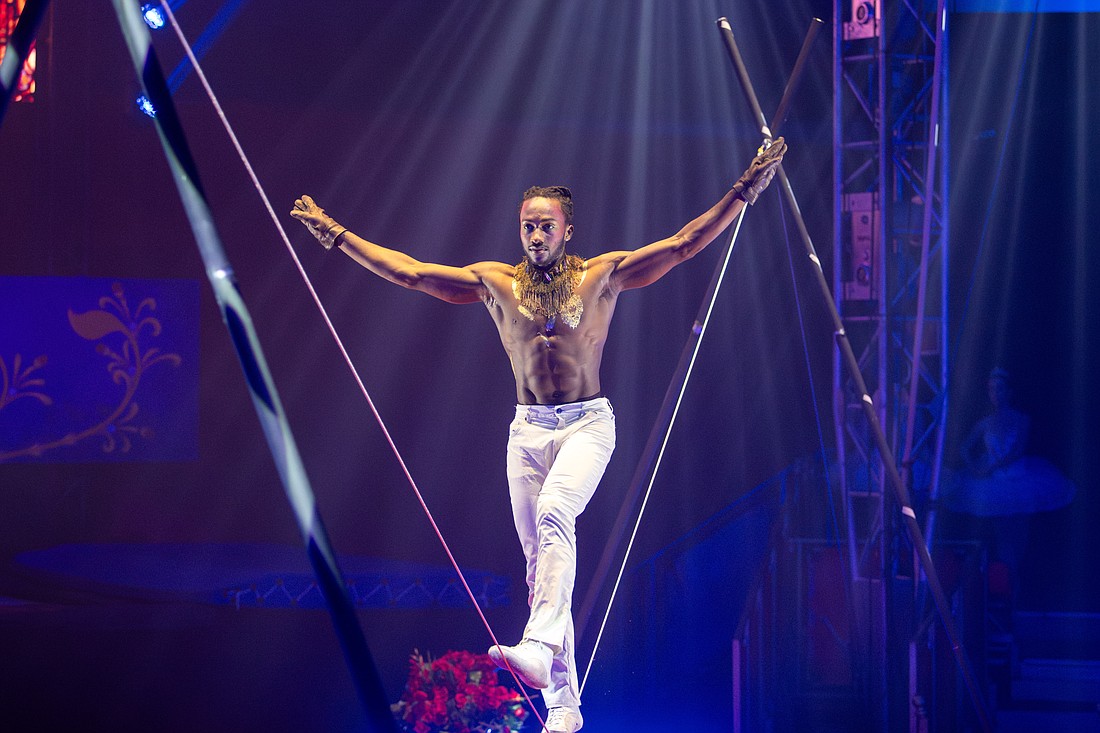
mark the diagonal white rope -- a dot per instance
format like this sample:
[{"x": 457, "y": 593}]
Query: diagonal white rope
[
  {"x": 664, "y": 443},
  {"x": 339, "y": 342}
]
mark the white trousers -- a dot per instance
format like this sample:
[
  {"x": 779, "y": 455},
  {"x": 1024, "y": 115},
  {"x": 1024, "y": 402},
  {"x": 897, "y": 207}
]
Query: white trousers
[{"x": 556, "y": 457}]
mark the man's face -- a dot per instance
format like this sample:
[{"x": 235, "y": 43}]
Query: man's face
[{"x": 543, "y": 231}]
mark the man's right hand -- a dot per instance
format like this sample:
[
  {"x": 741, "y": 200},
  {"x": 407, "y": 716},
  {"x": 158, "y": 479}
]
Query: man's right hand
[{"x": 319, "y": 224}]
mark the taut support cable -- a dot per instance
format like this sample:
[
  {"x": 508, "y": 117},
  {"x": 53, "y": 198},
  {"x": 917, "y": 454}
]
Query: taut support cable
[
  {"x": 261, "y": 387},
  {"x": 340, "y": 344}
]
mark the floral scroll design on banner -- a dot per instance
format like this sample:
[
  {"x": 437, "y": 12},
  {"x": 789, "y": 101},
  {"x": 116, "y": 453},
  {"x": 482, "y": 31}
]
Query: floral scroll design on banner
[
  {"x": 126, "y": 365},
  {"x": 16, "y": 384}
]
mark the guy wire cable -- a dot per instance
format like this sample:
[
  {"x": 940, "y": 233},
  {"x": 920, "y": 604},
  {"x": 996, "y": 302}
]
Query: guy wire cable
[
  {"x": 809, "y": 371},
  {"x": 340, "y": 344},
  {"x": 682, "y": 372},
  {"x": 851, "y": 364},
  {"x": 261, "y": 386},
  {"x": 702, "y": 329}
]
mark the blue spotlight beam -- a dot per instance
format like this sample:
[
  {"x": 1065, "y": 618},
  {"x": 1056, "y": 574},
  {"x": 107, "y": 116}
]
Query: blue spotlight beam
[
  {"x": 649, "y": 462},
  {"x": 901, "y": 494},
  {"x": 261, "y": 386},
  {"x": 19, "y": 47}
]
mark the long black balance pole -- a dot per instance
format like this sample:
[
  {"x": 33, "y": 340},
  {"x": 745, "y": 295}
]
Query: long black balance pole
[
  {"x": 663, "y": 424},
  {"x": 901, "y": 494},
  {"x": 261, "y": 386},
  {"x": 19, "y": 47}
]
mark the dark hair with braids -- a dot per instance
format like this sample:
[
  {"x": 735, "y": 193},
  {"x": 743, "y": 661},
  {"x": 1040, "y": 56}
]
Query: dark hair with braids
[{"x": 559, "y": 193}]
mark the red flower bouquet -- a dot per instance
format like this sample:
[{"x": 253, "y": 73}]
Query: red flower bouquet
[{"x": 457, "y": 693}]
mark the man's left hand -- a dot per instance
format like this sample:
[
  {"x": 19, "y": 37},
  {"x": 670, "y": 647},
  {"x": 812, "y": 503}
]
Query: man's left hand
[{"x": 761, "y": 171}]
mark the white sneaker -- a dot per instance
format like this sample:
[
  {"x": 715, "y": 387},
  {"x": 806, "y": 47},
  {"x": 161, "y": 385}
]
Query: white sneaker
[
  {"x": 529, "y": 659},
  {"x": 563, "y": 720}
]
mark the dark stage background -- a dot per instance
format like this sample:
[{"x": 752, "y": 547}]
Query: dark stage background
[{"x": 418, "y": 125}]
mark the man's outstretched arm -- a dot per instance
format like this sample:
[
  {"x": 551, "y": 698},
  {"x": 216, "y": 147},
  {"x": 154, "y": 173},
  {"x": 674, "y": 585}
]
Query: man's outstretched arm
[
  {"x": 648, "y": 264},
  {"x": 452, "y": 284}
]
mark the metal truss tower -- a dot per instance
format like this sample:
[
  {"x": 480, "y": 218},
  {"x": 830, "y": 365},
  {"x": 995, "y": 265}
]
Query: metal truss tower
[{"x": 890, "y": 283}]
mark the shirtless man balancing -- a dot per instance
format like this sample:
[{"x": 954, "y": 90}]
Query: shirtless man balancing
[{"x": 552, "y": 312}]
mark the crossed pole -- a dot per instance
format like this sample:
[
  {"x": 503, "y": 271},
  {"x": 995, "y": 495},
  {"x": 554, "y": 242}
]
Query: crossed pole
[
  {"x": 649, "y": 463},
  {"x": 901, "y": 494}
]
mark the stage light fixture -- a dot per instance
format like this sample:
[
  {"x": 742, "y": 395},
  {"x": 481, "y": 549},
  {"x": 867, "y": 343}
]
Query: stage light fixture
[
  {"x": 153, "y": 15},
  {"x": 146, "y": 106}
]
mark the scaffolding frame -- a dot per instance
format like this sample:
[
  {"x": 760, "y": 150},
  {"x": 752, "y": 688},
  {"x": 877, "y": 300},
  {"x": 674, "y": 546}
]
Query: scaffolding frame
[{"x": 890, "y": 271}]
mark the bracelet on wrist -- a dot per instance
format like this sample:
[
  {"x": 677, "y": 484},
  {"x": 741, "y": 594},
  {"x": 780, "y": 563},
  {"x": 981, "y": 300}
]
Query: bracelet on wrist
[{"x": 330, "y": 235}]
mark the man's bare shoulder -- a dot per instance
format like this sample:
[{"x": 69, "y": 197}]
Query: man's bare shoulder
[
  {"x": 490, "y": 272},
  {"x": 609, "y": 260},
  {"x": 601, "y": 270},
  {"x": 495, "y": 278}
]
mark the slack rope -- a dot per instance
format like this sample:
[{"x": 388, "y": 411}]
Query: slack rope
[
  {"x": 700, "y": 330},
  {"x": 340, "y": 344}
]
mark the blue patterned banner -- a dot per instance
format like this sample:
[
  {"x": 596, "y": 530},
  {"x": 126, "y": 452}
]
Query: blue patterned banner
[{"x": 98, "y": 369}]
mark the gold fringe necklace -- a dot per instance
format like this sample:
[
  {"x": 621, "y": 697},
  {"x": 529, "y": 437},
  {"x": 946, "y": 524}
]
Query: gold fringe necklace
[{"x": 551, "y": 293}]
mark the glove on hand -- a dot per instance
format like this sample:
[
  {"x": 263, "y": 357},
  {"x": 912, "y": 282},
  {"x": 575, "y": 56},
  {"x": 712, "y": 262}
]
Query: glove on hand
[
  {"x": 760, "y": 172},
  {"x": 319, "y": 224}
]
